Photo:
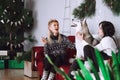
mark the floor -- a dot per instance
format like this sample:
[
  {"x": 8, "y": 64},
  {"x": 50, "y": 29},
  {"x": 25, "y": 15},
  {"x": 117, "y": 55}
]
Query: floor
[{"x": 14, "y": 74}]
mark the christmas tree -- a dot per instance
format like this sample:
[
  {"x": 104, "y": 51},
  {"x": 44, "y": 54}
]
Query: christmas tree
[{"x": 14, "y": 21}]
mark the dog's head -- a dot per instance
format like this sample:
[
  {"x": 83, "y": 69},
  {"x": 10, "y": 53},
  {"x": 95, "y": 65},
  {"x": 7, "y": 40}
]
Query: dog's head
[
  {"x": 80, "y": 25},
  {"x": 75, "y": 23}
]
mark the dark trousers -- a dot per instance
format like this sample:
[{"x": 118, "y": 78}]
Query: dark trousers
[
  {"x": 73, "y": 67},
  {"x": 57, "y": 60},
  {"x": 89, "y": 52}
]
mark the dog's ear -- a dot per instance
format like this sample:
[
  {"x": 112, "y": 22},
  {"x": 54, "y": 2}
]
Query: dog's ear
[{"x": 83, "y": 23}]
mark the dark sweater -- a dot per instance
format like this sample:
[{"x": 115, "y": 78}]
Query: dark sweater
[{"x": 56, "y": 48}]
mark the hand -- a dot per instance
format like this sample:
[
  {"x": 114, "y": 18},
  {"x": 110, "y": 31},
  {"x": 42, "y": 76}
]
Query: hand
[
  {"x": 44, "y": 40},
  {"x": 79, "y": 36},
  {"x": 82, "y": 58}
]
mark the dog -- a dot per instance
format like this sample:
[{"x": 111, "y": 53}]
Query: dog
[{"x": 82, "y": 27}]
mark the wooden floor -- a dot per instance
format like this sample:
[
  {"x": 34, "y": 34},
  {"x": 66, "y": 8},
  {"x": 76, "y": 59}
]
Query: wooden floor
[{"x": 14, "y": 74}]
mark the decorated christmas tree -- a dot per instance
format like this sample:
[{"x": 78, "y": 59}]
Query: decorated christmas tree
[{"x": 14, "y": 21}]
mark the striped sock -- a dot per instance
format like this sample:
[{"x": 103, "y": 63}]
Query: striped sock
[
  {"x": 51, "y": 76},
  {"x": 45, "y": 74}
]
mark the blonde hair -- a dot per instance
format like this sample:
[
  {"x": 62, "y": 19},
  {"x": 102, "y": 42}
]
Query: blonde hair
[{"x": 50, "y": 33}]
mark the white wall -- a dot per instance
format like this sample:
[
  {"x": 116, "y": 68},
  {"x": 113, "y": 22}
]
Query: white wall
[{"x": 44, "y": 10}]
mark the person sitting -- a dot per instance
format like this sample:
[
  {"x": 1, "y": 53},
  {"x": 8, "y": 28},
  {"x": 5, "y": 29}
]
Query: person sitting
[
  {"x": 106, "y": 45},
  {"x": 54, "y": 46}
]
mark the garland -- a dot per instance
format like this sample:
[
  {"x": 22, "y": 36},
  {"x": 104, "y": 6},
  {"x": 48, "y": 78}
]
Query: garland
[
  {"x": 114, "y": 5},
  {"x": 87, "y": 8},
  {"x": 14, "y": 15}
]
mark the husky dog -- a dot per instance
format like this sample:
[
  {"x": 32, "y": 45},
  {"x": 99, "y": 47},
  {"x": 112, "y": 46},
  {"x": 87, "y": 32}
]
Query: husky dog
[{"x": 81, "y": 26}]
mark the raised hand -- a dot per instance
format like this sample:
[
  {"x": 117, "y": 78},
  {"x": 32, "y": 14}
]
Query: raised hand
[{"x": 44, "y": 41}]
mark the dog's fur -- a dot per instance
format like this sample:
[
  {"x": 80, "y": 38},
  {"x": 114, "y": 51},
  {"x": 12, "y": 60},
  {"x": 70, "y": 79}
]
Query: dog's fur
[{"x": 82, "y": 27}]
